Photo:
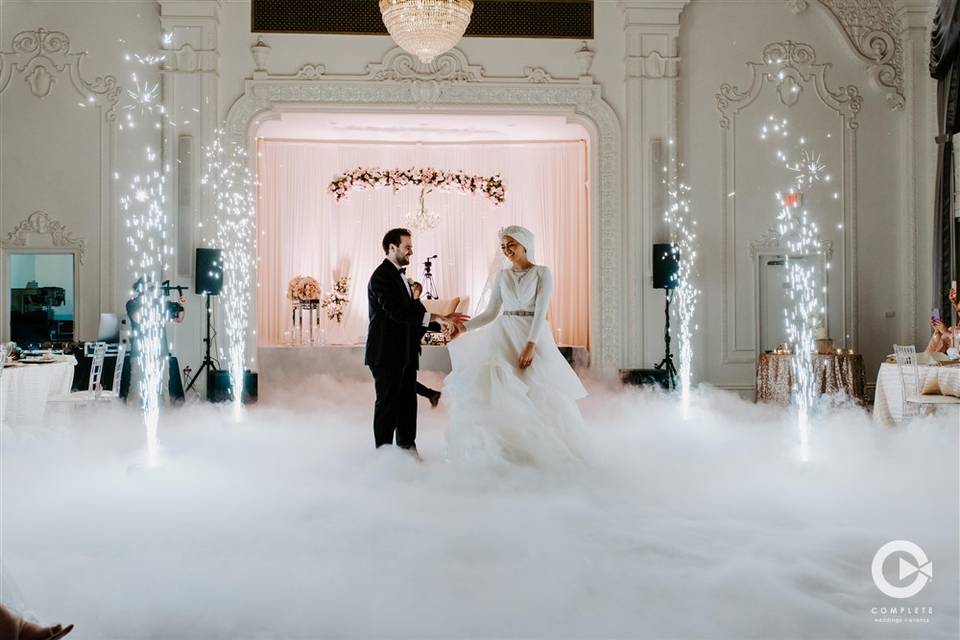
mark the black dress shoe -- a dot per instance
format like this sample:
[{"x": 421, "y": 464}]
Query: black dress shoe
[{"x": 435, "y": 400}]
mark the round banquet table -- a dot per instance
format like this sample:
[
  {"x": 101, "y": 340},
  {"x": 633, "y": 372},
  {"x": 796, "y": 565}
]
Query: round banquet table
[
  {"x": 25, "y": 388},
  {"x": 835, "y": 373}
]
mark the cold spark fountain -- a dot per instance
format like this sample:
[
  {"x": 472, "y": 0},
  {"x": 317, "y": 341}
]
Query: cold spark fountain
[
  {"x": 144, "y": 207},
  {"x": 683, "y": 244},
  {"x": 800, "y": 236},
  {"x": 234, "y": 217}
]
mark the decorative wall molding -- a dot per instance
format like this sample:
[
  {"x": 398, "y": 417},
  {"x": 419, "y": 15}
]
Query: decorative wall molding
[
  {"x": 40, "y": 223},
  {"x": 653, "y": 65},
  {"x": 769, "y": 243},
  {"x": 789, "y": 67},
  {"x": 186, "y": 59},
  {"x": 875, "y": 31},
  {"x": 401, "y": 83},
  {"x": 311, "y": 71},
  {"x": 536, "y": 75},
  {"x": 43, "y": 56}
]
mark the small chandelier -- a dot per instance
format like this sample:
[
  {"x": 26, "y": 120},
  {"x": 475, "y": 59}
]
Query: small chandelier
[
  {"x": 422, "y": 219},
  {"x": 426, "y": 28}
]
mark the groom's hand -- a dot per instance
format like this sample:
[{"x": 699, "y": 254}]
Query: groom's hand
[
  {"x": 454, "y": 319},
  {"x": 457, "y": 320}
]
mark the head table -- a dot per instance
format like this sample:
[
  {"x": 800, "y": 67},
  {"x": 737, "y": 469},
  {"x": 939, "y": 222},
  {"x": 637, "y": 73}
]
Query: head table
[
  {"x": 833, "y": 372},
  {"x": 25, "y": 388}
]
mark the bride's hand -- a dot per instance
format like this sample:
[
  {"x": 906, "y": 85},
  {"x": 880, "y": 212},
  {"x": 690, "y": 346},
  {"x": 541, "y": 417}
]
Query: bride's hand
[{"x": 526, "y": 356}]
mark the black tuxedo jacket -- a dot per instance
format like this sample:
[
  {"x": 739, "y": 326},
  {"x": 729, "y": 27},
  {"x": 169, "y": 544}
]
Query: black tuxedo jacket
[{"x": 396, "y": 321}]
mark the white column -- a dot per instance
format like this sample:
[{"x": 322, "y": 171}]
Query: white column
[
  {"x": 651, "y": 29},
  {"x": 190, "y": 94},
  {"x": 920, "y": 164}
]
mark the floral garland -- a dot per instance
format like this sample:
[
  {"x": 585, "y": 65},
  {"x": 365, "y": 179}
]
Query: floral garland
[
  {"x": 336, "y": 301},
  {"x": 373, "y": 177},
  {"x": 303, "y": 289}
]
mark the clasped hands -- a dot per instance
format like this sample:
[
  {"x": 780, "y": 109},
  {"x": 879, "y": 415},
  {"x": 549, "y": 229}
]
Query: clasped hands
[{"x": 452, "y": 323}]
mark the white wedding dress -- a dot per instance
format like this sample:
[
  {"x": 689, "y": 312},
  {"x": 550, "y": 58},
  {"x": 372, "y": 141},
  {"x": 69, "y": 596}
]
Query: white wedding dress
[{"x": 499, "y": 412}]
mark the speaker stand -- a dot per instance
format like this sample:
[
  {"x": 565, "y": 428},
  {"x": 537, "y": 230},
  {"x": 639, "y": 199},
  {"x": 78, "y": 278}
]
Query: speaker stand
[
  {"x": 667, "y": 363},
  {"x": 207, "y": 360}
]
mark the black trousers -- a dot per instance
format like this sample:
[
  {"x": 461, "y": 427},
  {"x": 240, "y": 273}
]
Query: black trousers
[
  {"x": 425, "y": 391},
  {"x": 396, "y": 408}
]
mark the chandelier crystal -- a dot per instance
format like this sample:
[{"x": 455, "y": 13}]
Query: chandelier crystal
[
  {"x": 421, "y": 219},
  {"x": 426, "y": 28}
]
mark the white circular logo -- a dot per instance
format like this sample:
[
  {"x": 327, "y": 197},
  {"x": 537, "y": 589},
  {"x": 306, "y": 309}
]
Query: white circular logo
[{"x": 921, "y": 568}]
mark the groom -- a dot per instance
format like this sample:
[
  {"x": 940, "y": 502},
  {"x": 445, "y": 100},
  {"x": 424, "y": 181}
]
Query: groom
[{"x": 397, "y": 320}]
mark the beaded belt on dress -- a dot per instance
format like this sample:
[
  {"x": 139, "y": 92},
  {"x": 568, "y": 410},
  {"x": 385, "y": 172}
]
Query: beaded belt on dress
[{"x": 518, "y": 313}]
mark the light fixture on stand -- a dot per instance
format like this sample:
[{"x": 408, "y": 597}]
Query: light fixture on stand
[
  {"x": 421, "y": 219},
  {"x": 426, "y": 28}
]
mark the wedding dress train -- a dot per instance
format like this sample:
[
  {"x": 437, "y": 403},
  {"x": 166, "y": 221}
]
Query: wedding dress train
[{"x": 499, "y": 411}]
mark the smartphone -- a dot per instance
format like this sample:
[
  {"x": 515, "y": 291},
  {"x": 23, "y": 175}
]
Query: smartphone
[{"x": 935, "y": 315}]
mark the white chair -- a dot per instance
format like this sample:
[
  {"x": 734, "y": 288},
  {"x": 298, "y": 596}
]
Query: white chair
[
  {"x": 914, "y": 402},
  {"x": 98, "y": 351}
]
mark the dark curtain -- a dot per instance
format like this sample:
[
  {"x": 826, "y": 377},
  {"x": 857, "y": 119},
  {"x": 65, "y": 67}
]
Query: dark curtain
[{"x": 945, "y": 67}]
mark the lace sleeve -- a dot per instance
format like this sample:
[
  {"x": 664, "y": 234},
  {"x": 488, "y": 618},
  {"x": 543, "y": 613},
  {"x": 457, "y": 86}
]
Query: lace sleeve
[
  {"x": 544, "y": 294},
  {"x": 493, "y": 308}
]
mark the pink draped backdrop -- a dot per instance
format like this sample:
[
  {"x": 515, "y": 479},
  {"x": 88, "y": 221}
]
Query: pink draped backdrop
[{"x": 304, "y": 231}]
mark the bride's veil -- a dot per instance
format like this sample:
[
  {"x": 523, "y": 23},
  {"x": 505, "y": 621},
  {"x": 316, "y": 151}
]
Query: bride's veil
[{"x": 494, "y": 267}]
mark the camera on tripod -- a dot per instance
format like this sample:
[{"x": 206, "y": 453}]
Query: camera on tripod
[{"x": 429, "y": 288}]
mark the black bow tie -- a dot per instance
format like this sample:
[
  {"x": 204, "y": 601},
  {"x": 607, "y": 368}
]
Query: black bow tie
[{"x": 403, "y": 269}]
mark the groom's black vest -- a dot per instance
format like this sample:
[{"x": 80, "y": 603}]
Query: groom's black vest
[{"x": 396, "y": 321}]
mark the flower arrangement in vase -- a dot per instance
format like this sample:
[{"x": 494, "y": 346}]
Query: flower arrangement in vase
[{"x": 336, "y": 301}]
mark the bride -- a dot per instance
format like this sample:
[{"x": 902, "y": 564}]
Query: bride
[{"x": 511, "y": 394}]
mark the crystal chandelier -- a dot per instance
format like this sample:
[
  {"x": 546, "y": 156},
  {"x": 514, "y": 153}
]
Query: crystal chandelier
[
  {"x": 421, "y": 219},
  {"x": 426, "y": 28}
]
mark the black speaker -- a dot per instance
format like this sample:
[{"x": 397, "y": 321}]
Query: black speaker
[
  {"x": 209, "y": 271},
  {"x": 665, "y": 266},
  {"x": 645, "y": 377},
  {"x": 218, "y": 385}
]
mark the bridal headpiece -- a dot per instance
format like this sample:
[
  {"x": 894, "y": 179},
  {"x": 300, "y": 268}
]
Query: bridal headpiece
[{"x": 522, "y": 235}]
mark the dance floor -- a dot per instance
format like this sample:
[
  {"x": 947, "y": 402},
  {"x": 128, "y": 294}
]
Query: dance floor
[{"x": 290, "y": 525}]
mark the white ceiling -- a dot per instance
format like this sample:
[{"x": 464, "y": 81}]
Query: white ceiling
[{"x": 420, "y": 127}]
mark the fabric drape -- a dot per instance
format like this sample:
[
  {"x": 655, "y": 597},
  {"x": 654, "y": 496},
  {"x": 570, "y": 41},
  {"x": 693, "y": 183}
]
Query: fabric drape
[
  {"x": 302, "y": 230},
  {"x": 944, "y": 50}
]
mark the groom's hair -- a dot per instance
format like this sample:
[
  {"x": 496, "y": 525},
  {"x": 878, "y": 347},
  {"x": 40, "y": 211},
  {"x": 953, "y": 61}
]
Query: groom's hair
[{"x": 393, "y": 237}]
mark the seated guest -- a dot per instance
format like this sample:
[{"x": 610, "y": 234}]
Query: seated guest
[{"x": 942, "y": 338}]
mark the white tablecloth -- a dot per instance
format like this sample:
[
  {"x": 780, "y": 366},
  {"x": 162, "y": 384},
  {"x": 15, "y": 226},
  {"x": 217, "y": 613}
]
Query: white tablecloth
[
  {"x": 888, "y": 403},
  {"x": 24, "y": 389}
]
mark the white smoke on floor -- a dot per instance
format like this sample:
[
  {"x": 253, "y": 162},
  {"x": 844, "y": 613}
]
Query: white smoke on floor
[{"x": 291, "y": 525}]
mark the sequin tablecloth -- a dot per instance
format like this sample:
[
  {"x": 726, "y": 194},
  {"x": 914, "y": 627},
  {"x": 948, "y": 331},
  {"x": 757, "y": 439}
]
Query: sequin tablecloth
[{"x": 834, "y": 374}]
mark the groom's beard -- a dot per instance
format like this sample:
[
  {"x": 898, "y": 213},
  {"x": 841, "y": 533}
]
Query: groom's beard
[{"x": 403, "y": 260}]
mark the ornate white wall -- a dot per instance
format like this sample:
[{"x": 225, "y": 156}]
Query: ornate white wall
[{"x": 658, "y": 67}]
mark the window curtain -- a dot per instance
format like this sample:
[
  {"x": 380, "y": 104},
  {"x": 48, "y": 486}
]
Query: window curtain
[
  {"x": 302, "y": 230},
  {"x": 944, "y": 51}
]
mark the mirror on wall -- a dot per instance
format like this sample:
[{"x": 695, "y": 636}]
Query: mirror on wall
[{"x": 40, "y": 297}]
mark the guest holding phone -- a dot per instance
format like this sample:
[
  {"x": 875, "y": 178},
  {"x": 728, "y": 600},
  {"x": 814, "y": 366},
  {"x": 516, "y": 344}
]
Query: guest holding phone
[{"x": 942, "y": 338}]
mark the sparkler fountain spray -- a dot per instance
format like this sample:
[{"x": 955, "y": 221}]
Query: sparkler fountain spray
[
  {"x": 683, "y": 243},
  {"x": 800, "y": 236},
  {"x": 144, "y": 209},
  {"x": 229, "y": 178}
]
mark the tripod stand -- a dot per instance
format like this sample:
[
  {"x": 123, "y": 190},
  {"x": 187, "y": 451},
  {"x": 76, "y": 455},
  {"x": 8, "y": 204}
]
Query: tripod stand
[
  {"x": 207, "y": 360},
  {"x": 667, "y": 363},
  {"x": 429, "y": 287}
]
